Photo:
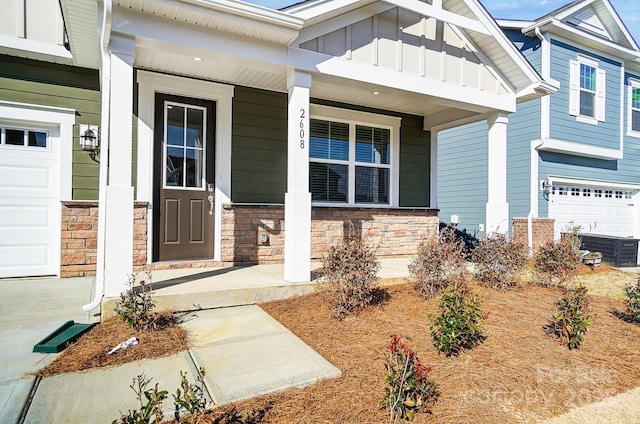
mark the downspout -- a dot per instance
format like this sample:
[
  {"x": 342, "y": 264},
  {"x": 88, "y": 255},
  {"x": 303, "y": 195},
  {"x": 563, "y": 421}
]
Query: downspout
[
  {"x": 534, "y": 167},
  {"x": 105, "y": 57},
  {"x": 535, "y": 144}
]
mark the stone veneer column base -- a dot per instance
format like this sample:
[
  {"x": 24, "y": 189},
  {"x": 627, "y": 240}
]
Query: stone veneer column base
[{"x": 542, "y": 231}]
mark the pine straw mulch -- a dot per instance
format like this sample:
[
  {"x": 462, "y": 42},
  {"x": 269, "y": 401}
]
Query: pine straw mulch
[
  {"x": 90, "y": 351},
  {"x": 517, "y": 375}
]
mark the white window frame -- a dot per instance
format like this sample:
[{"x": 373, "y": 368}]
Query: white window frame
[
  {"x": 25, "y": 130},
  {"x": 633, "y": 84},
  {"x": 574, "y": 90},
  {"x": 353, "y": 118}
]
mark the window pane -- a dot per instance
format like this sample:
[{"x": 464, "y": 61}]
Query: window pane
[
  {"x": 635, "y": 98},
  {"x": 372, "y": 145},
  {"x": 37, "y": 139},
  {"x": 635, "y": 120},
  {"x": 372, "y": 185},
  {"x": 328, "y": 182},
  {"x": 15, "y": 137},
  {"x": 329, "y": 140},
  {"x": 174, "y": 168},
  {"x": 195, "y": 127},
  {"x": 587, "y": 101},
  {"x": 587, "y": 77},
  {"x": 175, "y": 125},
  {"x": 194, "y": 168}
]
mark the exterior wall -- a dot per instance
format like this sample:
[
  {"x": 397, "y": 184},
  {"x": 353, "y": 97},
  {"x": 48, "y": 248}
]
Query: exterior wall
[
  {"x": 564, "y": 126},
  {"x": 259, "y": 146},
  {"x": 34, "y": 82},
  {"x": 80, "y": 236},
  {"x": 542, "y": 231},
  {"x": 396, "y": 232},
  {"x": 415, "y": 163},
  {"x": 396, "y": 40},
  {"x": 528, "y": 46},
  {"x": 38, "y": 20},
  {"x": 259, "y": 150},
  {"x": 462, "y": 174}
]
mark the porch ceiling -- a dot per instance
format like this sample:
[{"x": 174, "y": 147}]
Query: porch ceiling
[{"x": 272, "y": 77}]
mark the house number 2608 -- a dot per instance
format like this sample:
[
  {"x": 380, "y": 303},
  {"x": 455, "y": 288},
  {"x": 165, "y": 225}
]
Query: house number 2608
[{"x": 302, "y": 116}]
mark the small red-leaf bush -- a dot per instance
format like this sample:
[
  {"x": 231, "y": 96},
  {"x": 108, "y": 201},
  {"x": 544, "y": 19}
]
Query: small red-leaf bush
[
  {"x": 439, "y": 263},
  {"x": 573, "y": 319},
  {"x": 409, "y": 389}
]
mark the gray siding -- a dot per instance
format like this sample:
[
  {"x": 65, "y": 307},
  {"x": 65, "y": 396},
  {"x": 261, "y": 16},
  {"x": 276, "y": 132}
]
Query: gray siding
[
  {"x": 34, "y": 82},
  {"x": 259, "y": 146},
  {"x": 462, "y": 174},
  {"x": 524, "y": 126},
  {"x": 564, "y": 126}
]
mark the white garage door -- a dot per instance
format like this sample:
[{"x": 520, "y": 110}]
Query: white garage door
[
  {"x": 598, "y": 210},
  {"x": 29, "y": 202}
]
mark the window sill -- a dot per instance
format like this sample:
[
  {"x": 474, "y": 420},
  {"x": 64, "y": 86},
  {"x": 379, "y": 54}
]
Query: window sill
[{"x": 587, "y": 120}]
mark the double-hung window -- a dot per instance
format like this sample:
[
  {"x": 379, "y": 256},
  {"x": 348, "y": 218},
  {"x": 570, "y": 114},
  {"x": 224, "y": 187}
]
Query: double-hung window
[
  {"x": 587, "y": 90},
  {"x": 634, "y": 107},
  {"x": 350, "y": 162}
]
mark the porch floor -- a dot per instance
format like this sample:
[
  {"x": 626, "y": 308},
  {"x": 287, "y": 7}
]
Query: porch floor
[{"x": 198, "y": 288}]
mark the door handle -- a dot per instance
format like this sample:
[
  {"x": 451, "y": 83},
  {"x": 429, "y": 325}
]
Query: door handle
[{"x": 210, "y": 197}]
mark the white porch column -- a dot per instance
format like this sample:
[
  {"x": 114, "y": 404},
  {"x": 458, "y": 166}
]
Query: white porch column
[
  {"x": 497, "y": 209},
  {"x": 118, "y": 261},
  {"x": 297, "y": 200},
  {"x": 433, "y": 190}
]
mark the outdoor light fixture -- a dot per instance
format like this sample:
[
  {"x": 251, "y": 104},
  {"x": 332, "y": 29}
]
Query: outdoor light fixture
[
  {"x": 89, "y": 139},
  {"x": 545, "y": 187}
]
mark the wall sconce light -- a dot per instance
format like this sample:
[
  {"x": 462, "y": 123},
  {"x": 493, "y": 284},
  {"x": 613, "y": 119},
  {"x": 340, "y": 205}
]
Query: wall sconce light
[
  {"x": 545, "y": 187},
  {"x": 89, "y": 139}
]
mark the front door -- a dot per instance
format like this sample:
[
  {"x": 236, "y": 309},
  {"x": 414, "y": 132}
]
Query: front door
[{"x": 183, "y": 178}]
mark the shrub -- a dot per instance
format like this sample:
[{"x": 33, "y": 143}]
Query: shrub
[
  {"x": 349, "y": 281},
  {"x": 556, "y": 262},
  {"x": 632, "y": 291},
  {"x": 150, "y": 408},
  {"x": 498, "y": 261},
  {"x": 439, "y": 263},
  {"x": 136, "y": 304},
  {"x": 409, "y": 388},
  {"x": 458, "y": 325},
  {"x": 573, "y": 319},
  {"x": 191, "y": 400}
]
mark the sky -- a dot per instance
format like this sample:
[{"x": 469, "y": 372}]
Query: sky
[{"x": 628, "y": 10}]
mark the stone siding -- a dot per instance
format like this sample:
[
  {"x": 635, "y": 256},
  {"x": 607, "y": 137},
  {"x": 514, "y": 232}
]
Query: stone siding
[{"x": 78, "y": 239}]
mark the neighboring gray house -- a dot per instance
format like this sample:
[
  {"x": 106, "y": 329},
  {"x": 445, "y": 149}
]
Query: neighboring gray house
[{"x": 573, "y": 156}]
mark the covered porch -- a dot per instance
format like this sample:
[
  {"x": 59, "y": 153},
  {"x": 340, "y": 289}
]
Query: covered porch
[{"x": 264, "y": 90}]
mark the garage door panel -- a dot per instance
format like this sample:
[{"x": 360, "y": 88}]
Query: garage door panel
[
  {"x": 17, "y": 179},
  {"x": 595, "y": 209},
  {"x": 29, "y": 211},
  {"x": 19, "y": 217}
]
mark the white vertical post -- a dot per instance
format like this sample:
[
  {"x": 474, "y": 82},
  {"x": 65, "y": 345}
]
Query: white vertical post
[
  {"x": 297, "y": 200},
  {"x": 433, "y": 185},
  {"x": 118, "y": 212},
  {"x": 497, "y": 209}
]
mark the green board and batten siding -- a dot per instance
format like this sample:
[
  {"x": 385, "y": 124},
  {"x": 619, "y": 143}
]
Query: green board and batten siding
[
  {"x": 41, "y": 83},
  {"x": 259, "y": 150}
]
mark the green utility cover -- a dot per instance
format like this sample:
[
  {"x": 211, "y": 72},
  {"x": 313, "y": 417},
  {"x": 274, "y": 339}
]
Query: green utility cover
[{"x": 66, "y": 334}]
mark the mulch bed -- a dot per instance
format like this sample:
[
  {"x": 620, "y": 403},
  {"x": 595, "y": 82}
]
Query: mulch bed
[
  {"x": 90, "y": 351},
  {"x": 517, "y": 375}
]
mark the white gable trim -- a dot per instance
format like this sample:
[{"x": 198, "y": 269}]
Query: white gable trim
[
  {"x": 588, "y": 20},
  {"x": 440, "y": 14}
]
